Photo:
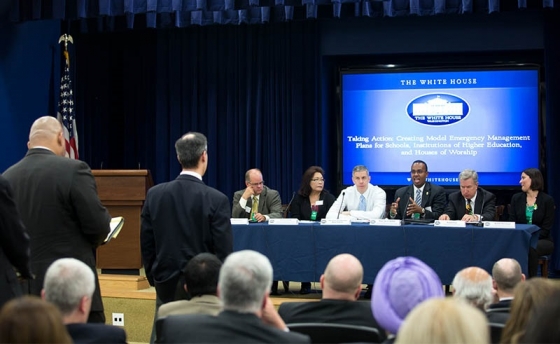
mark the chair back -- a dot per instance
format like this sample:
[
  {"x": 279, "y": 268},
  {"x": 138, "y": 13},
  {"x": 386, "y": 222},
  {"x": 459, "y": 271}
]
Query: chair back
[
  {"x": 495, "y": 332},
  {"x": 336, "y": 333}
]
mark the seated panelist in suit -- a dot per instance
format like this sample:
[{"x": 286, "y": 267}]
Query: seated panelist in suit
[
  {"x": 256, "y": 202},
  {"x": 472, "y": 203},
  {"x": 533, "y": 205},
  {"x": 362, "y": 201},
  {"x": 311, "y": 203},
  {"x": 422, "y": 198}
]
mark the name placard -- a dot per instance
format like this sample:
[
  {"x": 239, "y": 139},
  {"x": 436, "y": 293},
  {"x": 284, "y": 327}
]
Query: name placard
[
  {"x": 239, "y": 221},
  {"x": 499, "y": 224},
  {"x": 336, "y": 222},
  {"x": 289, "y": 222},
  {"x": 385, "y": 222},
  {"x": 450, "y": 223}
]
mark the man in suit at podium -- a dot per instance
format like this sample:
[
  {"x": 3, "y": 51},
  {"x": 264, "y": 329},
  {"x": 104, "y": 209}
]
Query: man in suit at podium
[
  {"x": 183, "y": 218},
  {"x": 472, "y": 203},
  {"x": 58, "y": 202},
  {"x": 422, "y": 198},
  {"x": 256, "y": 202}
]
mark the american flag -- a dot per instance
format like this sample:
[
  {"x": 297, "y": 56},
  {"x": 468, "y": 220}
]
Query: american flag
[{"x": 66, "y": 113}]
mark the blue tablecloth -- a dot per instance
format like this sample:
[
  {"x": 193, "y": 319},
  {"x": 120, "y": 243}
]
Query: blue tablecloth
[{"x": 301, "y": 253}]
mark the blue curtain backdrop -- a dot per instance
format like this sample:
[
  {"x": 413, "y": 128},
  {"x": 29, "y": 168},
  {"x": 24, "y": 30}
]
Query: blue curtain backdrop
[{"x": 253, "y": 90}]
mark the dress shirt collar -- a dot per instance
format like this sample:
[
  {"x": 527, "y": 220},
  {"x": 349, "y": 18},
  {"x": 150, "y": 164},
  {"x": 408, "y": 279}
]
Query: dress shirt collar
[{"x": 191, "y": 173}]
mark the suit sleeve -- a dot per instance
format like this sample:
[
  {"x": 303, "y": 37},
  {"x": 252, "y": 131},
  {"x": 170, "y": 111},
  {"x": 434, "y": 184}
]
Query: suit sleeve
[
  {"x": 147, "y": 240},
  {"x": 438, "y": 204},
  {"x": 93, "y": 217},
  {"x": 236, "y": 211},
  {"x": 401, "y": 193},
  {"x": 274, "y": 204},
  {"x": 450, "y": 209},
  {"x": 14, "y": 239},
  {"x": 489, "y": 211},
  {"x": 548, "y": 219},
  {"x": 514, "y": 215},
  {"x": 220, "y": 227}
]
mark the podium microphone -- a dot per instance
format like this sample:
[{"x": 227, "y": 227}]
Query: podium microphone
[
  {"x": 341, "y": 204},
  {"x": 289, "y": 205}
]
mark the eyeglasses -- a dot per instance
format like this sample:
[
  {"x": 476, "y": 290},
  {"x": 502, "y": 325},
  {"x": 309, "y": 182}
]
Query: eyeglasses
[
  {"x": 318, "y": 180},
  {"x": 257, "y": 184}
]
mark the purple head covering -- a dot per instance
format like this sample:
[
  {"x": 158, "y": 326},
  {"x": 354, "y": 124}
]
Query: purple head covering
[{"x": 400, "y": 285}]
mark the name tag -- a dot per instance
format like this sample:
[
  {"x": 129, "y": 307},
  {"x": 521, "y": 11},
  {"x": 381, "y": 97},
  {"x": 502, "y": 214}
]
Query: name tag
[
  {"x": 499, "y": 224},
  {"x": 289, "y": 222},
  {"x": 320, "y": 202},
  {"x": 450, "y": 223},
  {"x": 385, "y": 222},
  {"x": 330, "y": 222},
  {"x": 239, "y": 221}
]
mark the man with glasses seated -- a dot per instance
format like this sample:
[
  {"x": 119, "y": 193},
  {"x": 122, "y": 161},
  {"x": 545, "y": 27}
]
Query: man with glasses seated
[{"x": 472, "y": 203}]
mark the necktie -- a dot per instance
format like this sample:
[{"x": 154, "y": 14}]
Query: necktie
[
  {"x": 418, "y": 199},
  {"x": 468, "y": 208},
  {"x": 254, "y": 206},
  {"x": 363, "y": 205}
]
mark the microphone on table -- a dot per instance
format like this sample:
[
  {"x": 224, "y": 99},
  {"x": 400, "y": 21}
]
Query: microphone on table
[
  {"x": 405, "y": 207},
  {"x": 289, "y": 205},
  {"x": 479, "y": 223},
  {"x": 341, "y": 204}
]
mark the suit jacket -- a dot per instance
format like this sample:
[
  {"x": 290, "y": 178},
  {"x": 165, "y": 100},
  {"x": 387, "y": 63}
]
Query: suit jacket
[
  {"x": 58, "y": 202},
  {"x": 301, "y": 207},
  {"x": 203, "y": 304},
  {"x": 434, "y": 197},
  {"x": 227, "y": 327},
  {"x": 14, "y": 246},
  {"x": 456, "y": 205},
  {"x": 96, "y": 333},
  {"x": 503, "y": 304},
  {"x": 543, "y": 216},
  {"x": 330, "y": 311},
  {"x": 269, "y": 204},
  {"x": 181, "y": 219}
]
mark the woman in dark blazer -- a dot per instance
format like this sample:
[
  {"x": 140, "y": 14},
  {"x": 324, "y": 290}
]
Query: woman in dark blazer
[
  {"x": 311, "y": 203},
  {"x": 534, "y": 206}
]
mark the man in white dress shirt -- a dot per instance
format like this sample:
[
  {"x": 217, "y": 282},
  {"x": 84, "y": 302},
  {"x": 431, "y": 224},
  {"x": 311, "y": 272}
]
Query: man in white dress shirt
[{"x": 362, "y": 201}]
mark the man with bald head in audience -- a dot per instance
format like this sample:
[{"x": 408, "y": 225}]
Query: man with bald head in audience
[
  {"x": 58, "y": 203},
  {"x": 506, "y": 274},
  {"x": 341, "y": 284},
  {"x": 474, "y": 285}
]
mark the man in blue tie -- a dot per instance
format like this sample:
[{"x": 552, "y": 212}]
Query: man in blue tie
[
  {"x": 362, "y": 201},
  {"x": 421, "y": 199}
]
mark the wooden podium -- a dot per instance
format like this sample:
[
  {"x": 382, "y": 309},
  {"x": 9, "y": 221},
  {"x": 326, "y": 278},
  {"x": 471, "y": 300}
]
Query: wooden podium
[{"x": 123, "y": 193}]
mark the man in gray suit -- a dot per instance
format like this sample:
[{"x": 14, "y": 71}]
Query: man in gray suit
[
  {"x": 256, "y": 202},
  {"x": 58, "y": 202}
]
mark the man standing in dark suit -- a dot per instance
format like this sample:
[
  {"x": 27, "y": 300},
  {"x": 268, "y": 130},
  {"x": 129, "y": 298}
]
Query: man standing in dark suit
[
  {"x": 423, "y": 198},
  {"x": 69, "y": 285},
  {"x": 506, "y": 274},
  {"x": 256, "y": 202},
  {"x": 58, "y": 202},
  {"x": 472, "y": 203},
  {"x": 14, "y": 246},
  {"x": 248, "y": 316},
  {"x": 341, "y": 284},
  {"x": 183, "y": 218}
]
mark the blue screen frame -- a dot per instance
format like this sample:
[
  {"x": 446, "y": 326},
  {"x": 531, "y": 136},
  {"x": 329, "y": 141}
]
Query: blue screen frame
[{"x": 484, "y": 119}]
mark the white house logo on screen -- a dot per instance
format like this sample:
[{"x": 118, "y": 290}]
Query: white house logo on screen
[{"x": 438, "y": 109}]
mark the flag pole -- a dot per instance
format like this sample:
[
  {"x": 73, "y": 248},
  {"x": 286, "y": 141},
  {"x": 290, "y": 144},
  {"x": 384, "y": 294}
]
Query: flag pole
[{"x": 66, "y": 108}]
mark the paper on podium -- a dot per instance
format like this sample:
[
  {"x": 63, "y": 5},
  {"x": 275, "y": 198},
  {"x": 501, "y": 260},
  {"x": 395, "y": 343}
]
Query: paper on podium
[{"x": 116, "y": 225}]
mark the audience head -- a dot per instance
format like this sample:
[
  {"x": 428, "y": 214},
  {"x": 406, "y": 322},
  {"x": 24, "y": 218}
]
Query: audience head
[
  {"x": 69, "y": 284},
  {"x": 201, "y": 274},
  {"x": 29, "y": 319},
  {"x": 506, "y": 274},
  {"x": 531, "y": 180},
  {"x": 254, "y": 180},
  {"x": 474, "y": 285},
  {"x": 400, "y": 285},
  {"x": 419, "y": 173},
  {"x": 47, "y": 132},
  {"x": 529, "y": 296},
  {"x": 468, "y": 181},
  {"x": 361, "y": 178},
  {"x": 445, "y": 320},
  {"x": 543, "y": 327},
  {"x": 312, "y": 180},
  {"x": 245, "y": 281},
  {"x": 342, "y": 279},
  {"x": 192, "y": 151}
]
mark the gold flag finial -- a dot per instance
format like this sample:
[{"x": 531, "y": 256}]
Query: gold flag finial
[{"x": 65, "y": 38}]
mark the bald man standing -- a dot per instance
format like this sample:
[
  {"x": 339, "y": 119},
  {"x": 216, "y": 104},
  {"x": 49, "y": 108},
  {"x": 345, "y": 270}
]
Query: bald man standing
[
  {"x": 58, "y": 203},
  {"x": 341, "y": 284}
]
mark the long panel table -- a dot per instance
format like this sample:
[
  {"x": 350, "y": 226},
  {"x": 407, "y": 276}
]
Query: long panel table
[{"x": 301, "y": 253}]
